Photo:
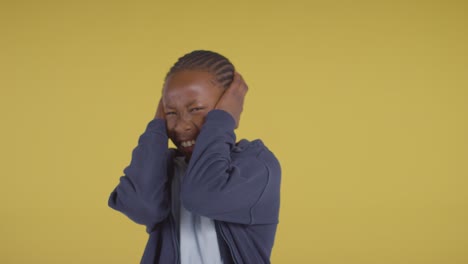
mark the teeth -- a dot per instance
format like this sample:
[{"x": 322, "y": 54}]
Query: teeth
[{"x": 187, "y": 143}]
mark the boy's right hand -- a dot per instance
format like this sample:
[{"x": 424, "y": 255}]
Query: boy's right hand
[{"x": 160, "y": 111}]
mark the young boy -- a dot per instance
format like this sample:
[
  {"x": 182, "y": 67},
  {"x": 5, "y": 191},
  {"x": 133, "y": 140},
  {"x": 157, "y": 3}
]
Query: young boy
[{"x": 210, "y": 200}]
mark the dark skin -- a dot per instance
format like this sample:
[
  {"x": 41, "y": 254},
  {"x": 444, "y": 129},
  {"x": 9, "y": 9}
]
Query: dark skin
[{"x": 187, "y": 98}]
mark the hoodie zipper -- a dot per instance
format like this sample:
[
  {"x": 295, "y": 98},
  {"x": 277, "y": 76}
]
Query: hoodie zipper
[{"x": 227, "y": 242}]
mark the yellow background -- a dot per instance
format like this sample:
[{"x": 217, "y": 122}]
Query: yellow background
[{"x": 363, "y": 102}]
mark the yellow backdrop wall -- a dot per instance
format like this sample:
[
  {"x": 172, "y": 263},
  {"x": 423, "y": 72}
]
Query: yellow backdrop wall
[{"x": 363, "y": 102}]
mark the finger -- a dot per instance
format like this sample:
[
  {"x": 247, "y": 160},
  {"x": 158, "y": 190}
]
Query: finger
[
  {"x": 236, "y": 79},
  {"x": 239, "y": 75},
  {"x": 160, "y": 111},
  {"x": 242, "y": 84}
]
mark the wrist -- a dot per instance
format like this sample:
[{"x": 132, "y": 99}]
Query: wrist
[{"x": 222, "y": 118}]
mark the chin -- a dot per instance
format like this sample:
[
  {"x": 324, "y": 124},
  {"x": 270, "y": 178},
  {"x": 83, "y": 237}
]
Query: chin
[
  {"x": 188, "y": 154},
  {"x": 184, "y": 152},
  {"x": 187, "y": 151},
  {"x": 187, "y": 157}
]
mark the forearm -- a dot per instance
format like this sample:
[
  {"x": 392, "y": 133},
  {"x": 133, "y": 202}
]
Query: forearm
[
  {"x": 217, "y": 185},
  {"x": 142, "y": 193},
  {"x": 213, "y": 145}
]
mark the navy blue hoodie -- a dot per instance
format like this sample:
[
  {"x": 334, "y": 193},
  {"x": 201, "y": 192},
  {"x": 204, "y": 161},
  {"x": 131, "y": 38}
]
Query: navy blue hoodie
[{"x": 236, "y": 185}]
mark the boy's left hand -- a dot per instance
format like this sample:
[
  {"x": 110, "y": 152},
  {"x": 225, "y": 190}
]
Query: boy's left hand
[{"x": 232, "y": 100}]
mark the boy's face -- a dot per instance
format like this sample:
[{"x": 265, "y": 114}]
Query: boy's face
[{"x": 187, "y": 97}]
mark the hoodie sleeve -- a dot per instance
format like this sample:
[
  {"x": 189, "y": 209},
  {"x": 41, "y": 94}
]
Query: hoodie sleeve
[
  {"x": 233, "y": 187},
  {"x": 143, "y": 191}
]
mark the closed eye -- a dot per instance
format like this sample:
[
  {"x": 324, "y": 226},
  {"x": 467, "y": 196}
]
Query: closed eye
[{"x": 196, "y": 109}]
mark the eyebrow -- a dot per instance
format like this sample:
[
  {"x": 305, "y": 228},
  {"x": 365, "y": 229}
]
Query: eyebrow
[{"x": 188, "y": 104}]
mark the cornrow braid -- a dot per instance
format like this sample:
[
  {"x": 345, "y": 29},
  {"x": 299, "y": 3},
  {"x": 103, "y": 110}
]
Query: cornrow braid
[{"x": 205, "y": 60}]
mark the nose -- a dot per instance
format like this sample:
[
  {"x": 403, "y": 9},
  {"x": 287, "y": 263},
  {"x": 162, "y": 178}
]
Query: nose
[{"x": 183, "y": 124}]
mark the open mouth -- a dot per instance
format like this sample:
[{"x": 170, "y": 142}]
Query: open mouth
[
  {"x": 186, "y": 147},
  {"x": 187, "y": 143}
]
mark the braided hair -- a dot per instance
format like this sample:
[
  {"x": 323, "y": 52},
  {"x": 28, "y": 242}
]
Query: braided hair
[{"x": 209, "y": 61}]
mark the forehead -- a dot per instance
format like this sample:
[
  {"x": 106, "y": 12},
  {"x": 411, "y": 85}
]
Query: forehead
[{"x": 189, "y": 85}]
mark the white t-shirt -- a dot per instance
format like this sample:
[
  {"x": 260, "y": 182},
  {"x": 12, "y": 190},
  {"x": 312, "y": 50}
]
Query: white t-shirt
[{"x": 197, "y": 234}]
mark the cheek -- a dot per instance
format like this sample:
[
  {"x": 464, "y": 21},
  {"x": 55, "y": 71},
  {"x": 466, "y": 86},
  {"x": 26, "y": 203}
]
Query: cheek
[
  {"x": 199, "y": 119},
  {"x": 170, "y": 124}
]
